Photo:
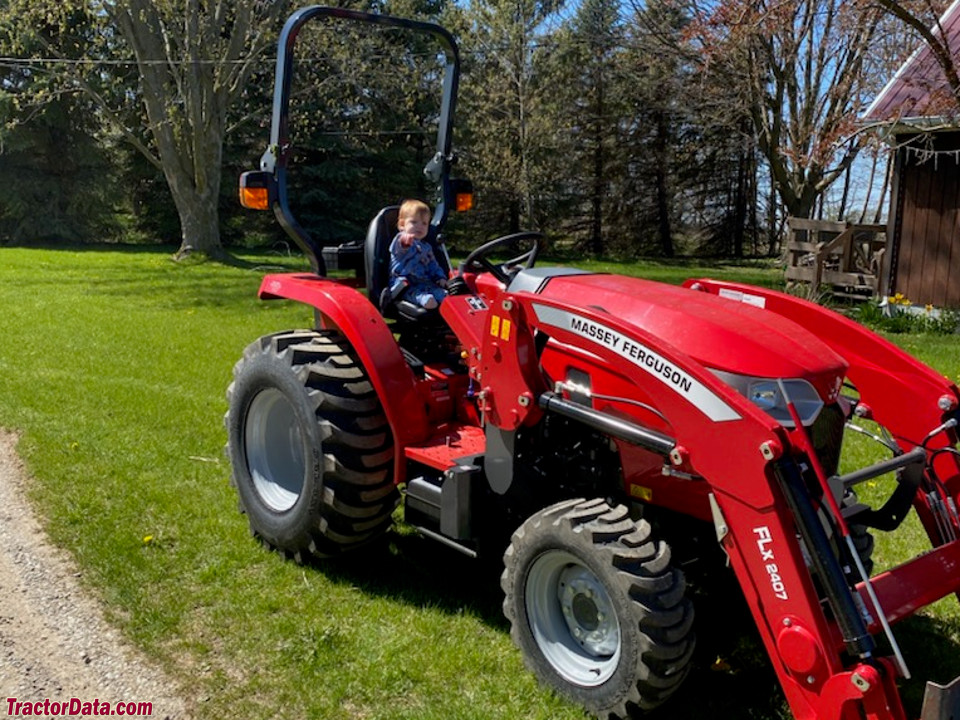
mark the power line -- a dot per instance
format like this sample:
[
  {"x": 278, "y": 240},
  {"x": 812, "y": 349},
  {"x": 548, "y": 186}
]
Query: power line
[
  {"x": 546, "y": 42},
  {"x": 91, "y": 62}
]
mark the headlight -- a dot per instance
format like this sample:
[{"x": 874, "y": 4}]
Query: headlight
[{"x": 767, "y": 395}]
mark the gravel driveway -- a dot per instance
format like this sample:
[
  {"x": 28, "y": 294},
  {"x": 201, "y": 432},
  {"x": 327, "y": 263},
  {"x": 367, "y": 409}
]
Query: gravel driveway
[{"x": 54, "y": 642}]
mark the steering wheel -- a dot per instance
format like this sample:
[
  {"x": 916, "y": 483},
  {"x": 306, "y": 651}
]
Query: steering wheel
[{"x": 477, "y": 261}]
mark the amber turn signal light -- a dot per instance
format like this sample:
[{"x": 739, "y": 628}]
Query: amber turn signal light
[
  {"x": 462, "y": 191},
  {"x": 255, "y": 190},
  {"x": 255, "y": 198}
]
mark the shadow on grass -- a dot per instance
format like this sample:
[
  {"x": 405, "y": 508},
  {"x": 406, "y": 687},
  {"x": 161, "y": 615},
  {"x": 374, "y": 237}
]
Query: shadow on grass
[
  {"x": 416, "y": 571},
  {"x": 280, "y": 258},
  {"x": 931, "y": 649},
  {"x": 731, "y": 677},
  {"x": 419, "y": 572}
]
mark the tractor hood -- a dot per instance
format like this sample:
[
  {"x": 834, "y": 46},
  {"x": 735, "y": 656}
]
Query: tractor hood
[{"x": 719, "y": 333}]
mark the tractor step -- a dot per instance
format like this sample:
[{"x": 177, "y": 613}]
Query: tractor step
[
  {"x": 941, "y": 702},
  {"x": 449, "y": 446}
]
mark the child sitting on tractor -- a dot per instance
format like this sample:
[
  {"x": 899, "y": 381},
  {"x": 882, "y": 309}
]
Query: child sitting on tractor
[{"x": 415, "y": 274}]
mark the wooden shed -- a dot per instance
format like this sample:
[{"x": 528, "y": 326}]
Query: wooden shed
[{"x": 919, "y": 117}]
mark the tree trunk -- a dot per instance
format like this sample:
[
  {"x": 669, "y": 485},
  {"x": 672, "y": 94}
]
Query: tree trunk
[
  {"x": 740, "y": 206},
  {"x": 866, "y": 200},
  {"x": 196, "y": 195},
  {"x": 199, "y": 220},
  {"x": 887, "y": 177},
  {"x": 596, "y": 232},
  {"x": 773, "y": 249},
  {"x": 753, "y": 203},
  {"x": 845, "y": 195},
  {"x": 664, "y": 229}
]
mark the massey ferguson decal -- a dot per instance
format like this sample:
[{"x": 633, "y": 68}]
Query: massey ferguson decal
[
  {"x": 643, "y": 357},
  {"x": 765, "y": 546}
]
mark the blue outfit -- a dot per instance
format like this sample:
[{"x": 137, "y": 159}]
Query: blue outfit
[{"x": 415, "y": 273}]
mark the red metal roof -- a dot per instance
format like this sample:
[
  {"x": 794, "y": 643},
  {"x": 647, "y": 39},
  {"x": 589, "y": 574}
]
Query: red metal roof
[{"x": 919, "y": 90}]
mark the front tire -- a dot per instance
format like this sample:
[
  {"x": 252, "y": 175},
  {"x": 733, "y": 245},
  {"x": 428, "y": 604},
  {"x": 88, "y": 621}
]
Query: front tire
[
  {"x": 596, "y": 608},
  {"x": 310, "y": 447}
]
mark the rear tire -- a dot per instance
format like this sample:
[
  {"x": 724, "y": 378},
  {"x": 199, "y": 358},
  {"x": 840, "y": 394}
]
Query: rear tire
[
  {"x": 310, "y": 447},
  {"x": 596, "y": 608}
]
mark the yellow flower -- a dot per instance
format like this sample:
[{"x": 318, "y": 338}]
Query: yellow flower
[
  {"x": 929, "y": 308},
  {"x": 147, "y": 539},
  {"x": 720, "y": 665}
]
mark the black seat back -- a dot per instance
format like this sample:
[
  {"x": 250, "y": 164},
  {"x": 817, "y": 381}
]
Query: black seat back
[{"x": 376, "y": 251}]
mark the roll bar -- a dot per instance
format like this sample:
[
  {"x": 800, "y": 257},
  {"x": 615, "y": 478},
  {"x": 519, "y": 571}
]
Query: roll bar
[{"x": 274, "y": 160}]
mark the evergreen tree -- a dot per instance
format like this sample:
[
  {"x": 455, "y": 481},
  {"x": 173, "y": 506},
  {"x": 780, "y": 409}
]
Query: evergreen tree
[
  {"x": 59, "y": 184},
  {"x": 509, "y": 139},
  {"x": 586, "y": 111},
  {"x": 655, "y": 130}
]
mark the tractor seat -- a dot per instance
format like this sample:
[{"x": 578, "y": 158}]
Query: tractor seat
[{"x": 382, "y": 230}]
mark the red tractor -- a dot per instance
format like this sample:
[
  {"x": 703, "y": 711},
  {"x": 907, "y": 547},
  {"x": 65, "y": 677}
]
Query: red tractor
[{"x": 593, "y": 417}]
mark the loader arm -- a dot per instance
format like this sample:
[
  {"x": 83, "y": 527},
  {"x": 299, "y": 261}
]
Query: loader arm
[
  {"x": 888, "y": 381},
  {"x": 766, "y": 518}
]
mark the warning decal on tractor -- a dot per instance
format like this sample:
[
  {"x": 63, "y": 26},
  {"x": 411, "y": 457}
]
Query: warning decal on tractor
[
  {"x": 746, "y": 298},
  {"x": 643, "y": 357},
  {"x": 500, "y": 327}
]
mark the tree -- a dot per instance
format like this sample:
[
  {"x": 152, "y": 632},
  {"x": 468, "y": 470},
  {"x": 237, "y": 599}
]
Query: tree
[
  {"x": 660, "y": 122},
  {"x": 506, "y": 127},
  {"x": 801, "y": 69},
  {"x": 57, "y": 181},
  {"x": 586, "y": 107},
  {"x": 193, "y": 59}
]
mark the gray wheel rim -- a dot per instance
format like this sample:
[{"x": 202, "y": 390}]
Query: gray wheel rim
[
  {"x": 275, "y": 449},
  {"x": 572, "y": 619}
]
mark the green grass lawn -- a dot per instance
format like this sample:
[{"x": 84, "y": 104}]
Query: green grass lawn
[{"x": 114, "y": 366}]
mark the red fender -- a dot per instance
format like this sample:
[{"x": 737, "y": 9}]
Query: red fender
[{"x": 347, "y": 310}]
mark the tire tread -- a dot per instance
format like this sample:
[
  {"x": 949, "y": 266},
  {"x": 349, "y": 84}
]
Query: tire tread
[{"x": 357, "y": 496}]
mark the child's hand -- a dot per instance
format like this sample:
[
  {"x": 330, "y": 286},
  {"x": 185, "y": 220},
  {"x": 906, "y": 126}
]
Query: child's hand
[{"x": 406, "y": 239}]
